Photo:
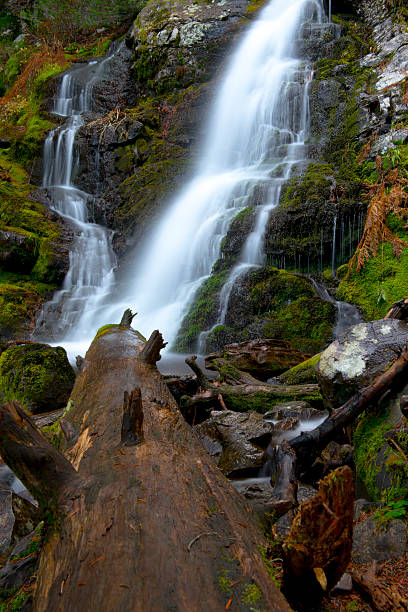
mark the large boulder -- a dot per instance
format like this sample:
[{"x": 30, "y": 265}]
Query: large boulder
[
  {"x": 358, "y": 356},
  {"x": 236, "y": 441},
  {"x": 374, "y": 543},
  {"x": 38, "y": 375}
]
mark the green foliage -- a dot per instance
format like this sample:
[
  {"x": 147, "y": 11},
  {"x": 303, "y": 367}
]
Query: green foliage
[
  {"x": 202, "y": 312},
  {"x": 393, "y": 510},
  {"x": 382, "y": 281}
]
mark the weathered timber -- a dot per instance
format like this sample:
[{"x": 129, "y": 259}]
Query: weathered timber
[
  {"x": 399, "y": 310},
  {"x": 284, "y": 494},
  {"x": 45, "y": 472},
  {"x": 153, "y": 526},
  {"x": 240, "y": 392},
  {"x": 383, "y": 598},
  {"x": 201, "y": 377},
  {"x": 230, "y": 374},
  {"x": 318, "y": 547},
  {"x": 127, "y": 318},
  {"x": 132, "y": 422},
  {"x": 308, "y": 445},
  {"x": 151, "y": 349}
]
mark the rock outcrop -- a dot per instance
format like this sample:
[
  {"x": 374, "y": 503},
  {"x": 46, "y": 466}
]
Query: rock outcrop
[{"x": 358, "y": 356}]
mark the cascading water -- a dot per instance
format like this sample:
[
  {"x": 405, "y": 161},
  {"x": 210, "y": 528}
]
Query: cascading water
[
  {"x": 256, "y": 136},
  {"x": 91, "y": 271}
]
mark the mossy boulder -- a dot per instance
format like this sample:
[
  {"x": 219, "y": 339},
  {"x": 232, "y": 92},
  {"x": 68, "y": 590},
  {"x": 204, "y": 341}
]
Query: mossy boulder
[
  {"x": 358, "y": 356},
  {"x": 38, "y": 375},
  {"x": 380, "y": 465}
]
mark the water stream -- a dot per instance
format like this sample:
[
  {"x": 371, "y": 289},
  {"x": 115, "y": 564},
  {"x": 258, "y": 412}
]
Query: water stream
[
  {"x": 256, "y": 136},
  {"x": 90, "y": 277}
]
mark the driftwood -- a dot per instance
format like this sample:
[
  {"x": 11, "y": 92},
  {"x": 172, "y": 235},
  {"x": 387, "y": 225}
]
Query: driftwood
[
  {"x": 148, "y": 526},
  {"x": 382, "y": 597},
  {"x": 318, "y": 546},
  {"x": 399, "y": 310}
]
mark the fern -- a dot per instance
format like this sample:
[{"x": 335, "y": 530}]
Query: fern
[{"x": 388, "y": 195}]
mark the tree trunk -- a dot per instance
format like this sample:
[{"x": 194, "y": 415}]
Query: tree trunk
[{"x": 144, "y": 521}]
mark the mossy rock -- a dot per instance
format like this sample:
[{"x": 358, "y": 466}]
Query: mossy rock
[
  {"x": 301, "y": 374},
  {"x": 38, "y": 375},
  {"x": 379, "y": 465}
]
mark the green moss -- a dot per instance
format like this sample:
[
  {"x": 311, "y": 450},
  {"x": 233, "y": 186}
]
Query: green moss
[
  {"x": 263, "y": 402},
  {"x": 54, "y": 434},
  {"x": 36, "y": 374},
  {"x": 302, "y": 373},
  {"x": 368, "y": 441},
  {"x": 251, "y": 594},
  {"x": 106, "y": 329},
  {"x": 202, "y": 312},
  {"x": 313, "y": 186},
  {"x": 382, "y": 281}
]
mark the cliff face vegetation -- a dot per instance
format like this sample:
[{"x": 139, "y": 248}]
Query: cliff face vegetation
[{"x": 130, "y": 469}]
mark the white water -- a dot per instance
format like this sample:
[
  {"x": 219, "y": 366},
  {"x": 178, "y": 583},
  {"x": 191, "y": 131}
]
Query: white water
[
  {"x": 89, "y": 281},
  {"x": 256, "y": 136}
]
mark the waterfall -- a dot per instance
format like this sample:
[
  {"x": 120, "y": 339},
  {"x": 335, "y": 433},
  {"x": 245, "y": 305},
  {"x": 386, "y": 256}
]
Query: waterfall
[
  {"x": 256, "y": 135},
  {"x": 89, "y": 281}
]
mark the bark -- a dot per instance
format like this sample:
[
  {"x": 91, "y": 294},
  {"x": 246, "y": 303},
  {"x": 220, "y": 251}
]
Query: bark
[
  {"x": 308, "y": 445},
  {"x": 383, "y": 598},
  {"x": 151, "y": 526},
  {"x": 399, "y": 310},
  {"x": 284, "y": 495},
  {"x": 317, "y": 549},
  {"x": 46, "y": 473}
]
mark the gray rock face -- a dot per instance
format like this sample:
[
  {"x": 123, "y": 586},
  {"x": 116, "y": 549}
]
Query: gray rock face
[
  {"x": 235, "y": 440},
  {"x": 373, "y": 544},
  {"x": 358, "y": 356},
  {"x": 6, "y": 521}
]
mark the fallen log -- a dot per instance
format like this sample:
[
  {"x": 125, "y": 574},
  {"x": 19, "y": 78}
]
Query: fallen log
[
  {"x": 242, "y": 397},
  {"x": 382, "y": 597},
  {"x": 139, "y": 516},
  {"x": 308, "y": 445}
]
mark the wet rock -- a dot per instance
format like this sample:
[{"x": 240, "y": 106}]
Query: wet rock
[
  {"x": 372, "y": 543},
  {"x": 287, "y": 424},
  {"x": 261, "y": 358},
  {"x": 27, "y": 516},
  {"x": 300, "y": 410},
  {"x": 6, "y": 521},
  {"x": 38, "y": 375},
  {"x": 17, "y": 251},
  {"x": 236, "y": 441},
  {"x": 344, "y": 585},
  {"x": 358, "y": 356}
]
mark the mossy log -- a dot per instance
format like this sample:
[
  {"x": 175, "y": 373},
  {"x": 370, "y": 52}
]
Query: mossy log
[{"x": 142, "y": 517}]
